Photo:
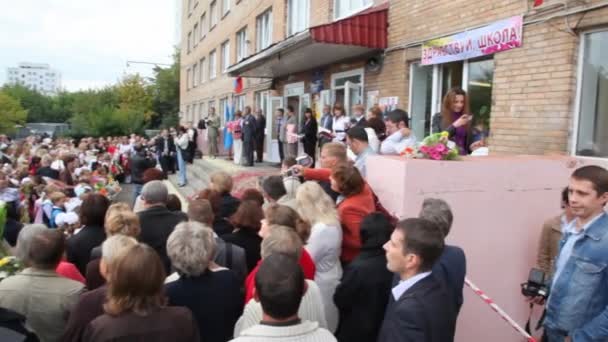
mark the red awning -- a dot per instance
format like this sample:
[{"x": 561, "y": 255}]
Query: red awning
[{"x": 368, "y": 28}]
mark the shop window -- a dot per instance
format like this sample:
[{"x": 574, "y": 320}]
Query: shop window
[
  {"x": 344, "y": 8},
  {"x": 479, "y": 87},
  {"x": 592, "y": 137},
  {"x": 298, "y": 13}
]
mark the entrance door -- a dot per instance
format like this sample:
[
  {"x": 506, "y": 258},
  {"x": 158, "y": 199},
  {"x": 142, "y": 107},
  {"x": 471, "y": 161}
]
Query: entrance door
[
  {"x": 272, "y": 138},
  {"x": 352, "y": 96},
  {"x": 421, "y": 90},
  {"x": 305, "y": 102}
]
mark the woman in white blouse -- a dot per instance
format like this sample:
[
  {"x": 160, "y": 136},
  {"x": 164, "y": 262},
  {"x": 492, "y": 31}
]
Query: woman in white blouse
[{"x": 315, "y": 206}]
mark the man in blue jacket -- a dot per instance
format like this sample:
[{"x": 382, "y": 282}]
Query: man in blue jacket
[{"x": 577, "y": 308}]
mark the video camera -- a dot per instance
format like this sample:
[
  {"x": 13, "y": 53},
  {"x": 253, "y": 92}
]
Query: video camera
[
  {"x": 535, "y": 286},
  {"x": 304, "y": 160}
]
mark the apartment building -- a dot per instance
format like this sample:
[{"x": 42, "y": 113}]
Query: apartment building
[
  {"x": 535, "y": 70},
  {"x": 36, "y": 76}
]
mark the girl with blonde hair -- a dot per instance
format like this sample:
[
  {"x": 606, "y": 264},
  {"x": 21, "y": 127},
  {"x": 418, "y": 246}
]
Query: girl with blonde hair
[{"x": 324, "y": 243}]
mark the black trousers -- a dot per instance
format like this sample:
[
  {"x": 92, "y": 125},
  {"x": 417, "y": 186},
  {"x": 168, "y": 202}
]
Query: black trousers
[
  {"x": 248, "y": 145},
  {"x": 310, "y": 149},
  {"x": 167, "y": 163},
  {"x": 281, "y": 152},
  {"x": 259, "y": 148}
]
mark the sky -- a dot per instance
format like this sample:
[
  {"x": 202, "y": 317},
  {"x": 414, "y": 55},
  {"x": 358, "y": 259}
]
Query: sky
[{"x": 88, "y": 41}]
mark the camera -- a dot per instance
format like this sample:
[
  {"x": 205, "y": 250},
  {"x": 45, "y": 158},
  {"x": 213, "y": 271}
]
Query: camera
[{"x": 535, "y": 286}]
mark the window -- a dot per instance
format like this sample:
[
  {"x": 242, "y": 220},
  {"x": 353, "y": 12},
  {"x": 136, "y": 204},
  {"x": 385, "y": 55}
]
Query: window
[
  {"x": 195, "y": 33},
  {"x": 201, "y": 111},
  {"x": 212, "y": 65},
  {"x": 188, "y": 79},
  {"x": 592, "y": 137},
  {"x": 239, "y": 103},
  {"x": 211, "y": 104},
  {"x": 190, "y": 4},
  {"x": 221, "y": 110},
  {"x": 187, "y": 114},
  {"x": 194, "y": 75},
  {"x": 202, "y": 71},
  {"x": 193, "y": 112},
  {"x": 241, "y": 44},
  {"x": 203, "y": 25},
  {"x": 344, "y": 8},
  {"x": 189, "y": 42},
  {"x": 264, "y": 30},
  {"x": 225, "y": 56},
  {"x": 225, "y": 7},
  {"x": 213, "y": 14},
  {"x": 298, "y": 12}
]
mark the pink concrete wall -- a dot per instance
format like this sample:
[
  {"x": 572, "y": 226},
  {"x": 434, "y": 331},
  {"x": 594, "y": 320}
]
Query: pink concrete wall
[{"x": 499, "y": 205}]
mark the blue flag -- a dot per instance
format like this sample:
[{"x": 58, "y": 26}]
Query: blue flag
[{"x": 228, "y": 114}]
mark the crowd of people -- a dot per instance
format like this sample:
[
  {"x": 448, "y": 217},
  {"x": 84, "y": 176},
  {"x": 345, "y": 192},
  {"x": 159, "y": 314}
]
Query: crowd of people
[{"x": 310, "y": 254}]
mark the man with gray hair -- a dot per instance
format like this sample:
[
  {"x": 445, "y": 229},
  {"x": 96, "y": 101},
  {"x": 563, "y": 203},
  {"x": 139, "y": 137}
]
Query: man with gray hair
[
  {"x": 227, "y": 254},
  {"x": 285, "y": 241},
  {"x": 40, "y": 294},
  {"x": 452, "y": 264},
  {"x": 156, "y": 221},
  {"x": 212, "y": 293},
  {"x": 90, "y": 305}
]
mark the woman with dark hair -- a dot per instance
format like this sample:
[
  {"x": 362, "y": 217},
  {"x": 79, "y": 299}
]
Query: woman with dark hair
[
  {"x": 309, "y": 130},
  {"x": 174, "y": 203},
  {"x": 135, "y": 309},
  {"x": 221, "y": 225},
  {"x": 246, "y": 222},
  {"x": 455, "y": 118},
  {"x": 253, "y": 195},
  {"x": 363, "y": 292},
  {"x": 92, "y": 217}
]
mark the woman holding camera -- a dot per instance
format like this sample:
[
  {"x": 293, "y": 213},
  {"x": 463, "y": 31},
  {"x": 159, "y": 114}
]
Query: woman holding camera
[
  {"x": 455, "y": 118},
  {"x": 309, "y": 130}
]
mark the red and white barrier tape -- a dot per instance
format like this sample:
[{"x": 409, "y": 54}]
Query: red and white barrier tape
[{"x": 498, "y": 310}]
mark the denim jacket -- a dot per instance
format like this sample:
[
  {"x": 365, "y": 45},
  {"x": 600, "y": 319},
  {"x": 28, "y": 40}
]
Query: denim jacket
[{"x": 578, "y": 303}]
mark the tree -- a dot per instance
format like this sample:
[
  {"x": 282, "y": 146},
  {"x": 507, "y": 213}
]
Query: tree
[
  {"x": 165, "y": 92},
  {"x": 11, "y": 113},
  {"x": 37, "y": 105}
]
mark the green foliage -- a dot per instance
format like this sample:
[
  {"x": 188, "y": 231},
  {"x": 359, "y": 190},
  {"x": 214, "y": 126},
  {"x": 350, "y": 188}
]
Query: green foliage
[
  {"x": 130, "y": 106},
  {"x": 11, "y": 113}
]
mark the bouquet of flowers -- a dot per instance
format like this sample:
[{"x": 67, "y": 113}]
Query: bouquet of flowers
[
  {"x": 9, "y": 266},
  {"x": 109, "y": 188},
  {"x": 435, "y": 147}
]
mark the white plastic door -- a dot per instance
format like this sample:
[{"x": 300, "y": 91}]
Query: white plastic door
[{"x": 272, "y": 137}]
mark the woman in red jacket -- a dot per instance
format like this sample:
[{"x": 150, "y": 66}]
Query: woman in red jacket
[{"x": 356, "y": 201}]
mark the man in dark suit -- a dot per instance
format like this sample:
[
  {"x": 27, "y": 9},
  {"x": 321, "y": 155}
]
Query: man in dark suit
[
  {"x": 260, "y": 131},
  {"x": 249, "y": 134},
  {"x": 327, "y": 122},
  {"x": 156, "y": 221},
  {"x": 358, "y": 119},
  {"x": 452, "y": 264},
  {"x": 165, "y": 148},
  {"x": 420, "y": 307}
]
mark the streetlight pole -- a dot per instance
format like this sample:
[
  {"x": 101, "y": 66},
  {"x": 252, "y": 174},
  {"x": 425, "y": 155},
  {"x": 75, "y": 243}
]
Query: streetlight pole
[{"x": 151, "y": 63}]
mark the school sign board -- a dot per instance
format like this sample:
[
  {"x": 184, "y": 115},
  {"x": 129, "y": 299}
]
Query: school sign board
[{"x": 499, "y": 36}]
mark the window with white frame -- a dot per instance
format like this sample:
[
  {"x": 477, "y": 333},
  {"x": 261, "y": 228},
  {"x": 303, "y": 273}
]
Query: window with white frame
[
  {"x": 189, "y": 42},
  {"x": 201, "y": 111},
  {"x": 239, "y": 103},
  {"x": 225, "y": 7},
  {"x": 213, "y": 14},
  {"x": 195, "y": 33},
  {"x": 194, "y": 75},
  {"x": 221, "y": 110},
  {"x": 188, "y": 79},
  {"x": 592, "y": 135},
  {"x": 190, "y": 6},
  {"x": 211, "y": 104},
  {"x": 187, "y": 113},
  {"x": 298, "y": 14},
  {"x": 202, "y": 77},
  {"x": 203, "y": 25},
  {"x": 264, "y": 30},
  {"x": 225, "y": 56},
  {"x": 241, "y": 44},
  {"x": 344, "y": 8},
  {"x": 212, "y": 65},
  {"x": 193, "y": 112}
]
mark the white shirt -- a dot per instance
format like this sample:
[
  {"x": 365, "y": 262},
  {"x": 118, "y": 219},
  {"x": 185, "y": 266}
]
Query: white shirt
[
  {"x": 405, "y": 285},
  {"x": 341, "y": 125},
  {"x": 397, "y": 143}
]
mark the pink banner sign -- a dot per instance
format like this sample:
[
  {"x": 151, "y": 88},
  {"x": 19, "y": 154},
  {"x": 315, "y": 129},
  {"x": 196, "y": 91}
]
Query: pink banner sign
[{"x": 499, "y": 36}]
